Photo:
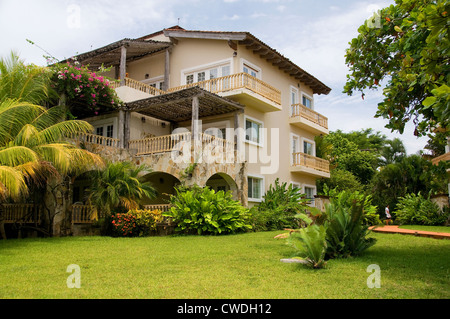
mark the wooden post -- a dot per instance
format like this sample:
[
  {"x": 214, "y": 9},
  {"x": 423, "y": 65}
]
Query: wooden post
[
  {"x": 126, "y": 133},
  {"x": 121, "y": 129},
  {"x": 195, "y": 128},
  {"x": 123, "y": 65},
  {"x": 166, "y": 70}
]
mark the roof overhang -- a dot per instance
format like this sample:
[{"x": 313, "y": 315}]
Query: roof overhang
[
  {"x": 177, "y": 106},
  {"x": 257, "y": 47},
  {"x": 110, "y": 54}
]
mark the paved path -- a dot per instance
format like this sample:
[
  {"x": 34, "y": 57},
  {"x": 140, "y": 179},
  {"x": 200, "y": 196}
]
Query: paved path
[{"x": 396, "y": 230}]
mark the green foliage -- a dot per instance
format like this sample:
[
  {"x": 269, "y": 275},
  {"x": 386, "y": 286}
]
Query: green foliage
[
  {"x": 204, "y": 211},
  {"x": 412, "y": 174},
  {"x": 415, "y": 209},
  {"x": 118, "y": 188},
  {"x": 33, "y": 138},
  {"x": 310, "y": 244},
  {"x": 345, "y": 230},
  {"x": 283, "y": 206},
  {"x": 409, "y": 51},
  {"x": 135, "y": 223},
  {"x": 340, "y": 180}
]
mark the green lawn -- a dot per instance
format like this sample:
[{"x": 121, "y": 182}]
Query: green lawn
[{"x": 233, "y": 266}]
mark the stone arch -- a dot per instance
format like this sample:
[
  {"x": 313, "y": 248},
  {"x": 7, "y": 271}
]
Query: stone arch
[
  {"x": 164, "y": 184},
  {"x": 223, "y": 181}
]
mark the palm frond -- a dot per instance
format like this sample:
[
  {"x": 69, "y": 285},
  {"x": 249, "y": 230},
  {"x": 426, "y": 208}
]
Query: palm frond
[
  {"x": 17, "y": 155},
  {"x": 12, "y": 183}
]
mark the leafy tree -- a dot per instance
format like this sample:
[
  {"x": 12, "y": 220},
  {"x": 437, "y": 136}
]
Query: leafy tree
[
  {"x": 407, "y": 52},
  {"x": 413, "y": 174},
  {"x": 393, "y": 151}
]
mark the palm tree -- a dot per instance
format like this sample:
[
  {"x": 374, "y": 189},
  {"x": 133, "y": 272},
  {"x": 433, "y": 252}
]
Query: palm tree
[
  {"x": 118, "y": 187},
  {"x": 33, "y": 139},
  {"x": 393, "y": 152}
]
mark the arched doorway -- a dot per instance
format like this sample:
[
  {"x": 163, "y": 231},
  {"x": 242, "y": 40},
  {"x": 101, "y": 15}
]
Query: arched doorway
[
  {"x": 164, "y": 185},
  {"x": 223, "y": 182}
]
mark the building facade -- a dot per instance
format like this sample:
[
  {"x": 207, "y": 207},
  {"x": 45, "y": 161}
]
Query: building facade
[{"x": 221, "y": 109}]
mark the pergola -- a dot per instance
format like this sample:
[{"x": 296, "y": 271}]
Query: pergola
[
  {"x": 121, "y": 52},
  {"x": 181, "y": 106}
]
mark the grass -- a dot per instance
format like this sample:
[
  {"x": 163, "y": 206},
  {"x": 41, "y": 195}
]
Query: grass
[
  {"x": 233, "y": 266},
  {"x": 439, "y": 229}
]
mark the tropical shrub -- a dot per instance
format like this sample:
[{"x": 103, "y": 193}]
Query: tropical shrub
[
  {"x": 204, "y": 211},
  {"x": 135, "y": 223},
  {"x": 415, "y": 209},
  {"x": 282, "y": 207},
  {"x": 117, "y": 187},
  {"x": 310, "y": 244},
  {"x": 346, "y": 233}
]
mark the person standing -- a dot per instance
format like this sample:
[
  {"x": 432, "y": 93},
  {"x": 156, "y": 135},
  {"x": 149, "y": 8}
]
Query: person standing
[{"x": 388, "y": 215}]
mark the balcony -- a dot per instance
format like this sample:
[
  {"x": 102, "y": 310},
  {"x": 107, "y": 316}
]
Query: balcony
[
  {"x": 133, "y": 90},
  {"x": 308, "y": 119},
  {"x": 310, "y": 165},
  {"x": 242, "y": 88},
  {"x": 176, "y": 142}
]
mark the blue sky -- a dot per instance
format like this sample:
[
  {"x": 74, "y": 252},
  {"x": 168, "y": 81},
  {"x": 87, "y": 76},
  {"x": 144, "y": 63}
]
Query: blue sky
[{"x": 312, "y": 33}]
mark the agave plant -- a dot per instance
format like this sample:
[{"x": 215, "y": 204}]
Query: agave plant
[
  {"x": 346, "y": 232},
  {"x": 310, "y": 244}
]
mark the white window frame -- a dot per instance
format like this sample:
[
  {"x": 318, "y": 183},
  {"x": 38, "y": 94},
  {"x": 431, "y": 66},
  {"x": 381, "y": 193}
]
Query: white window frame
[
  {"x": 291, "y": 140},
  {"x": 309, "y": 97},
  {"x": 104, "y": 123},
  {"x": 260, "y": 133},
  {"x": 262, "y": 185},
  {"x": 158, "y": 81},
  {"x": 252, "y": 66},
  {"x": 205, "y": 68},
  {"x": 302, "y": 146},
  {"x": 312, "y": 204}
]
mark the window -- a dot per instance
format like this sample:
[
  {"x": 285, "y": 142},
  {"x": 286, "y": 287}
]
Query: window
[
  {"x": 99, "y": 131},
  {"x": 253, "y": 131},
  {"x": 249, "y": 70},
  {"x": 255, "y": 188},
  {"x": 294, "y": 147},
  {"x": 306, "y": 101},
  {"x": 310, "y": 192},
  {"x": 201, "y": 76},
  {"x": 203, "y": 73},
  {"x": 190, "y": 79},
  {"x": 308, "y": 148},
  {"x": 109, "y": 130}
]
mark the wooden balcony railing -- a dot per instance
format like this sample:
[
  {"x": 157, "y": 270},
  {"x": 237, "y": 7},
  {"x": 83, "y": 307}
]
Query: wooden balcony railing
[
  {"x": 159, "y": 144},
  {"x": 137, "y": 85},
  {"x": 302, "y": 159},
  {"x": 313, "y": 116},
  {"x": 160, "y": 207},
  {"x": 168, "y": 143},
  {"x": 96, "y": 139},
  {"x": 443, "y": 157},
  {"x": 236, "y": 81},
  {"x": 83, "y": 214},
  {"x": 20, "y": 213}
]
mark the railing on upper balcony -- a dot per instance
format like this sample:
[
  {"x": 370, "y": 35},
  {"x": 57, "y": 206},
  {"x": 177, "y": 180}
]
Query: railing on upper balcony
[
  {"x": 137, "y": 85},
  {"x": 313, "y": 116},
  {"x": 236, "y": 81},
  {"x": 173, "y": 142},
  {"x": 96, "y": 139},
  {"x": 303, "y": 159}
]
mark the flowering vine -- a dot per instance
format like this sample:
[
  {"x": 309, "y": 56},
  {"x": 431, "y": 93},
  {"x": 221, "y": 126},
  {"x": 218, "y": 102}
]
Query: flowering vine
[{"x": 87, "y": 93}]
